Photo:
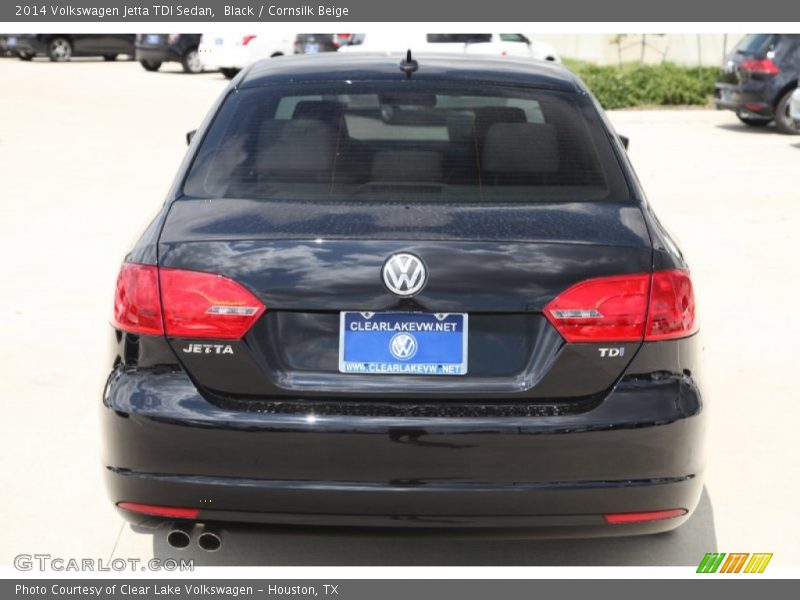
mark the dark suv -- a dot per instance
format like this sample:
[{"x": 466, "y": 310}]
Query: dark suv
[
  {"x": 410, "y": 293},
  {"x": 758, "y": 79},
  {"x": 153, "y": 49}
]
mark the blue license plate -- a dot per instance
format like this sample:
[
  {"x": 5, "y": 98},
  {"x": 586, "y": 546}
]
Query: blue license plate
[
  {"x": 12, "y": 41},
  {"x": 392, "y": 343},
  {"x": 153, "y": 39},
  {"x": 312, "y": 48}
]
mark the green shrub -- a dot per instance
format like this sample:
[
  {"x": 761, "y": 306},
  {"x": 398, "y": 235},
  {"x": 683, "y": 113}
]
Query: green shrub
[{"x": 639, "y": 85}]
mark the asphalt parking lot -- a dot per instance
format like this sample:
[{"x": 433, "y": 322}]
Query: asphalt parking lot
[{"x": 87, "y": 152}]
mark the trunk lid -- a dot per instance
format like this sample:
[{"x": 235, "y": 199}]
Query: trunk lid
[{"x": 499, "y": 264}]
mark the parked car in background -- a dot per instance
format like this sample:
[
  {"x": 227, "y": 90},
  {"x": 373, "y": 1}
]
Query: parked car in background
[
  {"x": 61, "y": 47},
  {"x": 154, "y": 49},
  {"x": 497, "y": 44},
  {"x": 412, "y": 293},
  {"x": 312, "y": 43},
  {"x": 794, "y": 107},
  {"x": 758, "y": 79},
  {"x": 231, "y": 53},
  {"x": 4, "y": 49}
]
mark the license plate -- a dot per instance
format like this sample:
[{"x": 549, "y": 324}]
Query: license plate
[
  {"x": 312, "y": 48},
  {"x": 393, "y": 343},
  {"x": 12, "y": 41},
  {"x": 153, "y": 39},
  {"x": 219, "y": 41}
]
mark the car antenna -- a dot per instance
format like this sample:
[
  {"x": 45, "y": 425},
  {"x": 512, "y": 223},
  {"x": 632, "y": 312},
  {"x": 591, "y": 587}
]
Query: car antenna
[{"x": 409, "y": 65}]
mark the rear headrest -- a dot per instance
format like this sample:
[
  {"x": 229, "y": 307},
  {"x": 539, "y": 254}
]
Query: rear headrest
[
  {"x": 520, "y": 149},
  {"x": 460, "y": 126},
  {"x": 328, "y": 111},
  {"x": 407, "y": 165},
  {"x": 302, "y": 148},
  {"x": 487, "y": 116}
]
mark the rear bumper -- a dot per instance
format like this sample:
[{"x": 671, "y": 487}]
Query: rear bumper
[
  {"x": 638, "y": 450},
  {"x": 749, "y": 99},
  {"x": 223, "y": 56}
]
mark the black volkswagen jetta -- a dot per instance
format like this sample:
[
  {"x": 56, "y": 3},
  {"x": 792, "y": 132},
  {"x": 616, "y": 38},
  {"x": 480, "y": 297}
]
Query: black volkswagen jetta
[{"x": 421, "y": 293}]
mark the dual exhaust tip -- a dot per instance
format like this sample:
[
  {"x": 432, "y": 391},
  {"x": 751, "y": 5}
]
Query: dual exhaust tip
[{"x": 209, "y": 538}]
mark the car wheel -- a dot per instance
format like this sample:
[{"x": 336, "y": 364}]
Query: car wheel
[
  {"x": 229, "y": 73},
  {"x": 59, "y": 49},
  {"x": 150, "y": 65},
  {"x": 25, "y": 56},
  {"x": 191, "y": 61},
  {"x": 753, "y": 121},
  {"x": 109, "y": 57},
  {"x": 783, "y": 122}
]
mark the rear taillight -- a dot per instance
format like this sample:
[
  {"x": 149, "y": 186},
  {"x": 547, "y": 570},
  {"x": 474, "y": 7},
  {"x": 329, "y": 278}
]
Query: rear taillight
[
  {"x": 758, "y": 65},
  {"x": 204, "y": 305},
  {"x": 180, "y": 303},
  {"x": 626, "y": 308},
  {"x": 672, "y": 312},
  {"x": 602, "y": 309},
  {"x": 247, "y": 39},
  {"x": 136, "y": 304}
]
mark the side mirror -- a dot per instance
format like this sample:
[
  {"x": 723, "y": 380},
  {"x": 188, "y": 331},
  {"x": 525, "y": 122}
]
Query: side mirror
[
  {"x": 190, "y": 135},
  {"x": 622, "y": 138}
]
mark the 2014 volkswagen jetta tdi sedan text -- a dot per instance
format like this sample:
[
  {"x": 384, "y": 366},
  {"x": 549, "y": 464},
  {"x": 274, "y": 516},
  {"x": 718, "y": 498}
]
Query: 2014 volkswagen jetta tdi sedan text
[{"x": 404, "y": 291}]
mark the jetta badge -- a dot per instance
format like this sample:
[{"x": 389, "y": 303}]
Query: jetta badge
[{"x": 404, "y": 274}]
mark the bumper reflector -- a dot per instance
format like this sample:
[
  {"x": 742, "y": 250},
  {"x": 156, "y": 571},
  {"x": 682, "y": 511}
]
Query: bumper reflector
[
  {"x": 174, "y": 512},
  {"x": 641, "y": 517}
]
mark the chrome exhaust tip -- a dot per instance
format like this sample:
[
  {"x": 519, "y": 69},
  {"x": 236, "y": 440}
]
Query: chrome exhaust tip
[
  {"x": 210, "y": 539},
  {"x": 179, "y": 536}
]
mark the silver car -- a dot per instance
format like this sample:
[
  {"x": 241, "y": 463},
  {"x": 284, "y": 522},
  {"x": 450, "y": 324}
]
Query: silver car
[{"x": 794, "y": 106}]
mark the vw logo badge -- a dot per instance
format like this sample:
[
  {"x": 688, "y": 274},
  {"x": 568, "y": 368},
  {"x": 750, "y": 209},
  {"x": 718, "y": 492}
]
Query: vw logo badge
[
  {"x": 403, "y": 346},
  {"x": 404, "y": 274}
]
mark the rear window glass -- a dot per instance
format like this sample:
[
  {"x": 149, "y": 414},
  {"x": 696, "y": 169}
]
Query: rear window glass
[
  {"x": 756, "y": 43},
  {"x": 417, "y": 141}
]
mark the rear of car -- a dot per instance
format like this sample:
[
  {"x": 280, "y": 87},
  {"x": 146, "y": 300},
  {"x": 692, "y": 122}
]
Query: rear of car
[
  {"x": 430, "y": 297},
  {"x": 154, "y": 49},
  {"x": 758, "y": 79},
  {"x": 230, "y": 53}
]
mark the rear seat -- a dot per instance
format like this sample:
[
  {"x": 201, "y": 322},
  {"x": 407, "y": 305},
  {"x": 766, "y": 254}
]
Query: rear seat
[{"x": 412, "y": 166}]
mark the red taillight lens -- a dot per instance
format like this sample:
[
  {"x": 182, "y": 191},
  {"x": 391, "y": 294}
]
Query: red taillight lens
[
  {"x": 204, "y": 305},
  {"x": 642, "y": 517},
  {"x": 602, "y": 309},
  {"x": 247, "y": 39},
  {"x": 626, "y": 308},
  {"x": 173, "y": 512},
  {"x": 672, "y": 311},
  {"x": 136, "y": 304},
  {"x": 756, "y": 65}
]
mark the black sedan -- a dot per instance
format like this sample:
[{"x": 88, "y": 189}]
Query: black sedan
[
  {"x": 61, "y": 47},
  {"x": 405, "y": 291},
  {"x": 154, "y": 49}
]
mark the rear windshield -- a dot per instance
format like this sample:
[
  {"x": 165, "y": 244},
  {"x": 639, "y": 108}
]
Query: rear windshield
[
  {"x": 756, "y": 43},
  {"x": 407, "y": 142}
]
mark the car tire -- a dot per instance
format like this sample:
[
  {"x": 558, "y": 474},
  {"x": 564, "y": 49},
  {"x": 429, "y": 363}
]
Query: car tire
[
  {"x": 59, "y": 49},
  {"x": 783, "y": 122},
  {"x": 150, "y": 65},
  {"x": 229, "y": 73},
  {"x": 754, "y": 122},
  {"x": 25, "y": 56},
  {"x": 191, "y": 61},
  {"x": 109, "y": 57}
]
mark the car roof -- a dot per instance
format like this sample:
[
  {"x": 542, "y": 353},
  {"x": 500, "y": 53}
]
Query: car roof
[{"x": 332, "y": 66}]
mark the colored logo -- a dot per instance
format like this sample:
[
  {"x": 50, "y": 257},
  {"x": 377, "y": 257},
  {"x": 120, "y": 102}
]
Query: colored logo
[
  {"x": 403, "y": 346},
  {"x": 735, "y": 562}
]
